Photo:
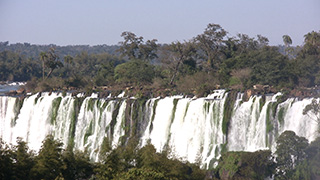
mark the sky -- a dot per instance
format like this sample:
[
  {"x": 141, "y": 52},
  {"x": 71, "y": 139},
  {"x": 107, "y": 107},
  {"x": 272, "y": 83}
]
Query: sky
[{"x": 96, "y": 22}]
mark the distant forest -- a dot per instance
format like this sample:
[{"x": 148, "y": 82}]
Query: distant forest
[
  {"x": 33, "y": 50},
  {"x": 207, "y": 61}
]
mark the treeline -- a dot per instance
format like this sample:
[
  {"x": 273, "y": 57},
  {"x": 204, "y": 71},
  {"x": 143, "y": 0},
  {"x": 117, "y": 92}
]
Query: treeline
[
  {"x": 123, "y": 163},
  {"x": 33, "y": 50},
  {"x": 208, "y": 61},
  {"x": 294, "y": 159}
]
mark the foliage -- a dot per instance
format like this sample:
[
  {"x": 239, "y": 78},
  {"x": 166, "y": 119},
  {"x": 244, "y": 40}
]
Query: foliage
[
  {"x": 134, "y": 72},
  {"x": 6, "y": 163},
  {"x": 23, "y": 160},
  {"x": 211, "y": 42},
  {"x": 245, "y": 165},
  {"x": 48, "y": 164},
  {"x": 313, "y": 108},
  {"x": 291, "y": 150},
  {"x": 134, "y": 48},
  {"x": 50, "y": 60},
  {"x": 238, "y": 62},
  {"x": 294, "y": 156},
  {"x": 78, "y": 165},
  {"x": 200, "y": 84},
  {"x": 17, "y": 67},
  {"x": 179, "y": 58}
]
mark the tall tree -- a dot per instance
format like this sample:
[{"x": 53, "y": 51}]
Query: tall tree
[
  {"x": 312, "y": 44},
  {"x": 134, "y": 47},
  {"x": 6, "y": 164},
  {"x": 210, "y": 42},
  {"x": 287, "y": 40},
  {"x": 313, "y": 111},
  {"x": 130, "y": 46},
  {"x": 290, "y": 152},
  {"x": 68, "y": 59},
  {"x": 179, "y": 54},
  {"x": 23, "y": 160},
  {"x": 43, "y": 57},
  {"x": 51, "y": 61},
  {"x": 49, "y": 163}
]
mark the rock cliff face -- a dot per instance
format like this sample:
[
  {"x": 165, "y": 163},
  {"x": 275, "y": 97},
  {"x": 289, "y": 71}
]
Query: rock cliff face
[{"x": 194, "y": 129}]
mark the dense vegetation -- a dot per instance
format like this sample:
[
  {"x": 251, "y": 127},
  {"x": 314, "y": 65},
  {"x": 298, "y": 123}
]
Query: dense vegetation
[
  {"x": 294, "y": 158},
  {"x": 210, "y": 60},
  {"x": 125, "y": 162}
]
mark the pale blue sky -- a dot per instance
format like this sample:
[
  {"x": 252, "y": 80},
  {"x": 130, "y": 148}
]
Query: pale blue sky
[{"x": 93, "y": 22}]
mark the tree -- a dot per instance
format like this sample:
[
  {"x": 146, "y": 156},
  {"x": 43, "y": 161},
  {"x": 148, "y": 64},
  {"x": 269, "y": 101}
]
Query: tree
[
  {"x": 6, "y": 164},
  {"x": 311, "y": 44},
  {"x": 149, "y": 50},
  {"x": 313, "y": 152},
  {"x": 262, "y": 41},
  {"x": 134, "y": 72},
  {"x": 313, "y": 108},
  {"x": 245, "y": 165},
  {"x": 210, "y": 42},
  {"x": 179, "y": 55},
  {"x": 133, "y": 47},
  {"x": 68, "y": 59},
  {"x": 312, "y": 38},
  {"x": 51, "y": 61},
  {"x": 23, "y": 160},
  {"x": 49, "y": 163},
  {"x": 43, "y": 57},
  {"x": 242, "y": 75},
  {"x": 105, "y": 75},
  {"x": 110, "y": 166},
  {"x": 287, "y": 40},
  {"x": 291, "y": 151},
  {"x": 78, "y": 165}
]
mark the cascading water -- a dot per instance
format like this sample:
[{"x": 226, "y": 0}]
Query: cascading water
[{"x": 192, "y": 128}]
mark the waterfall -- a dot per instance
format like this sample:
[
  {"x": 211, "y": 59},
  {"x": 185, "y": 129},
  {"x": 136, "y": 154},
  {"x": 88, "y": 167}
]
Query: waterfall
[{"x": 188, "y": 128}]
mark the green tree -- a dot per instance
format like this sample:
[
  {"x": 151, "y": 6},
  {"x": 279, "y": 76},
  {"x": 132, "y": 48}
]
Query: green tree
[
  {"x": 245, "y": 165},
  {"x": 78, "y": 165},
  {"x": 307, "y": 65},
  {"x": 156, "y": 165},
  {"x": 110, "y": 166},
  {"x": 210, "y": 42},
  {"x": 180, "y": 55},
  {"x": 23, "y": 160},
  {"x": 134, "y": 72},
  {"x": 43, "y": 57},
  {"x": 130, "y": 46},
  {"x": 141, "y": 174},
  {"x": 51, "y": 61},
  {"x": 134, "y": 47},
  {"x": 49, "y": 163},
  {"x": 311, "y": 44},
  {"x": 291, "y": 151},
  {"x": 6, "y": 164},
  {"x": 68, "y": 59},
  {"x": 287, "y": 40},
  {"x": 313, "y": 163},
  {"x": 313, "y": 109},
  {"x": 105, "y": 75}
]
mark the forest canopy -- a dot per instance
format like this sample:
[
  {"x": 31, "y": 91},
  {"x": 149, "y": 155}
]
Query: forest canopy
[{"x": 213, "y": 59}]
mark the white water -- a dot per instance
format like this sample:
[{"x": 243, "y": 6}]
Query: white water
[{"x": 190, "y": 127}]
